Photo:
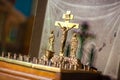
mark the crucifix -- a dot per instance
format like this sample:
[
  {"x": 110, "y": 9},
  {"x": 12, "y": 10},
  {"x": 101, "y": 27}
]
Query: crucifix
[{"x": 65, "y": 27}]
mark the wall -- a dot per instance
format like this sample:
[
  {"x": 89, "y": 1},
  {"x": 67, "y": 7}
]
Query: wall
[{"x": 102, "y": 16}]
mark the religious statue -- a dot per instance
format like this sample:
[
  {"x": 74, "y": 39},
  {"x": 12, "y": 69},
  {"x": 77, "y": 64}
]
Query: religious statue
[
  {"x": 9, "y": 55},
  {"x": 55, "y": 60},
  {"x": 20, "y": 57},
  {"x": 51, "y": 41},
  {"x": 15, "y": 56},
  {"x": 65, "y": 27},
  {"x": 74, "y": 45},
  {"x": 26, "y": 58},
  {"x": 64, "y": 36},
  {"x": 3, "y": 54}
]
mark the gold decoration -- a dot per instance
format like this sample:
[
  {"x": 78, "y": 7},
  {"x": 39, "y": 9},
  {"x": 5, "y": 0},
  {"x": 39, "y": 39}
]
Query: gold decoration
[{"x": 65, "y": 27}]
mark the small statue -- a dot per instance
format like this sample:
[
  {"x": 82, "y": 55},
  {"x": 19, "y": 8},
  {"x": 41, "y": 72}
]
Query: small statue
[
  {"x": 24, "y": 58},
  {"x": 35, "y": 60},
  {"x": 51, "y": 41},
  {"x": 20, "y": 57},
  {"x": 74, "y": 45},
  {"x": 55, "y": 60},
  {"x": 75, "y": 64},
  {"x": 39, "y": 61},
  {"x": 9, "y": 55},
  {"x": 3, "y": 54},
  {"x": 60, "y": 60},
  {"x": 44, "y": 60},
  {"x": 15, "y": 56},
  {"x": 27, "y": 58}
]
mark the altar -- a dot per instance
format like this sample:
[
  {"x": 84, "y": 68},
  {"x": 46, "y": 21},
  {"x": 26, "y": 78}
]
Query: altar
[
  {"x": 17, "y": 72},
  {"x": 50, "y": 66}
]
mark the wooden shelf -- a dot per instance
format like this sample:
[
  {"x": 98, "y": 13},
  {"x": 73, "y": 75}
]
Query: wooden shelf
[{"x": 13, "y": 71}]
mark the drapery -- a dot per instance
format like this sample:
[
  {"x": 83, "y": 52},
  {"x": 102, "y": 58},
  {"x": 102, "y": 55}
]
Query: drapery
[{"x": 103, "y": 18}]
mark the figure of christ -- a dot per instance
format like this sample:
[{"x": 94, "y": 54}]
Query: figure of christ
[
  {"x": 65, "y": 30},
  {"x": 65, "y": 27}
]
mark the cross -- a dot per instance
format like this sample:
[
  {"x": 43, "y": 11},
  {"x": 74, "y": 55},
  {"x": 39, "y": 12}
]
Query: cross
[
  {"x": 65, "y": 27},
  {"x": 67, "y": 17}
]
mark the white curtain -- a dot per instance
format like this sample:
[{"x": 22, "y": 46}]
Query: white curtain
[{"x": 103, "y": 18}]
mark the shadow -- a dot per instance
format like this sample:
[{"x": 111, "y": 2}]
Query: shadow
[
  {"x": 84, "y": 27},
  {"x": 85, "y": 32},
  {"x": 84, "y": 35}
]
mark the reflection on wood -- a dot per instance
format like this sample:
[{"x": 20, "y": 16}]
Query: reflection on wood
[{"x": 11, "y": 70}]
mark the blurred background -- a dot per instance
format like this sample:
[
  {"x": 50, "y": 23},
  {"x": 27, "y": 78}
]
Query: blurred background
[{"x": 16, "y": 23}]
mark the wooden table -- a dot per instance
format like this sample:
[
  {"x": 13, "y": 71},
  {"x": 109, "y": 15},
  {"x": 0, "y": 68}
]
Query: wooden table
[{"x": 10, "y": 71}]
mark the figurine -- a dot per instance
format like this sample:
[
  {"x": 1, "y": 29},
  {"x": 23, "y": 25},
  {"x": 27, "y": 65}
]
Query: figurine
[
  {"x": 51, "y": 41},
  {"x": 3, "y": 54},
  {"x": 15, "y": 56},
  {"x": 27, "y": 58},
  {"x": 35, "y": 60},
  {"x": 9, "y": 55},
  {"x": 20, "y": 57},
  {"x": 55, "y": 60},
  {"x": 39, "y": 61},
  {"x": 74, "y": 45}
]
